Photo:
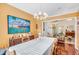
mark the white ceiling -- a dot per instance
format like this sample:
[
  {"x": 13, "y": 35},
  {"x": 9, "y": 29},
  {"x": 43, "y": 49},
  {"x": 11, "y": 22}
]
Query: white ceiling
[{"x": 50, "y": 8}]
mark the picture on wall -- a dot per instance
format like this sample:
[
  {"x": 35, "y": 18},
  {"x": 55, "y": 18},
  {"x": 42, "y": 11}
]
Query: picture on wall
[{"x": 18, "y": 25}]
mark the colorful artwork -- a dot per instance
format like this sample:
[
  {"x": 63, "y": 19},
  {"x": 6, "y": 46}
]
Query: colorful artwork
[{"x": 18, "y": 25}]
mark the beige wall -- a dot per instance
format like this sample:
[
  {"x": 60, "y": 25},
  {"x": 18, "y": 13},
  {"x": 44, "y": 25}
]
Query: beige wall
[
  {"x": 77, "y": 41},
  {"x": 39, "y": 23},
  {"x": 5, "y": 10}
]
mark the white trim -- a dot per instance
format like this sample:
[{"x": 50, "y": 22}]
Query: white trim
[
  {"x": 76, "y": 33},
  {"x": 57, "y": 19},
  {"x": 68, "y": 12},
  {"x": 42, "y": 28},
  {"x": 20, "y": 9}
]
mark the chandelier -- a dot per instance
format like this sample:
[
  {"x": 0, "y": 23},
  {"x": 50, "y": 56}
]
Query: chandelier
[{"x": 40, "y": 15}]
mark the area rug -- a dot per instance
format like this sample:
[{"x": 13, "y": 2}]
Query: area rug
[{"x": 67, "y": 49}]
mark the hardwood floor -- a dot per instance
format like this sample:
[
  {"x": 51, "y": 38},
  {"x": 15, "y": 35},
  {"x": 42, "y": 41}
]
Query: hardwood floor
[{"x": 67, "y": 49}]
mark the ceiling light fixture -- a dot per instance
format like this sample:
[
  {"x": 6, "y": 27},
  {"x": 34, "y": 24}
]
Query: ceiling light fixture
[{"x": 41, "y": 15}]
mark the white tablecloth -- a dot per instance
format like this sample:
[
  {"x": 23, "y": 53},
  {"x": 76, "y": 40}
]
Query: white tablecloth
[{"x": 37, "y": 46}]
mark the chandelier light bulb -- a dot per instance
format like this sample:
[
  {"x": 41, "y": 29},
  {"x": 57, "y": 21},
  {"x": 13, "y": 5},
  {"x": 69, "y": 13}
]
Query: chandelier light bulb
[
  {"x": 45, "y": 14},
  {"x": 40, "y": 13}
]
